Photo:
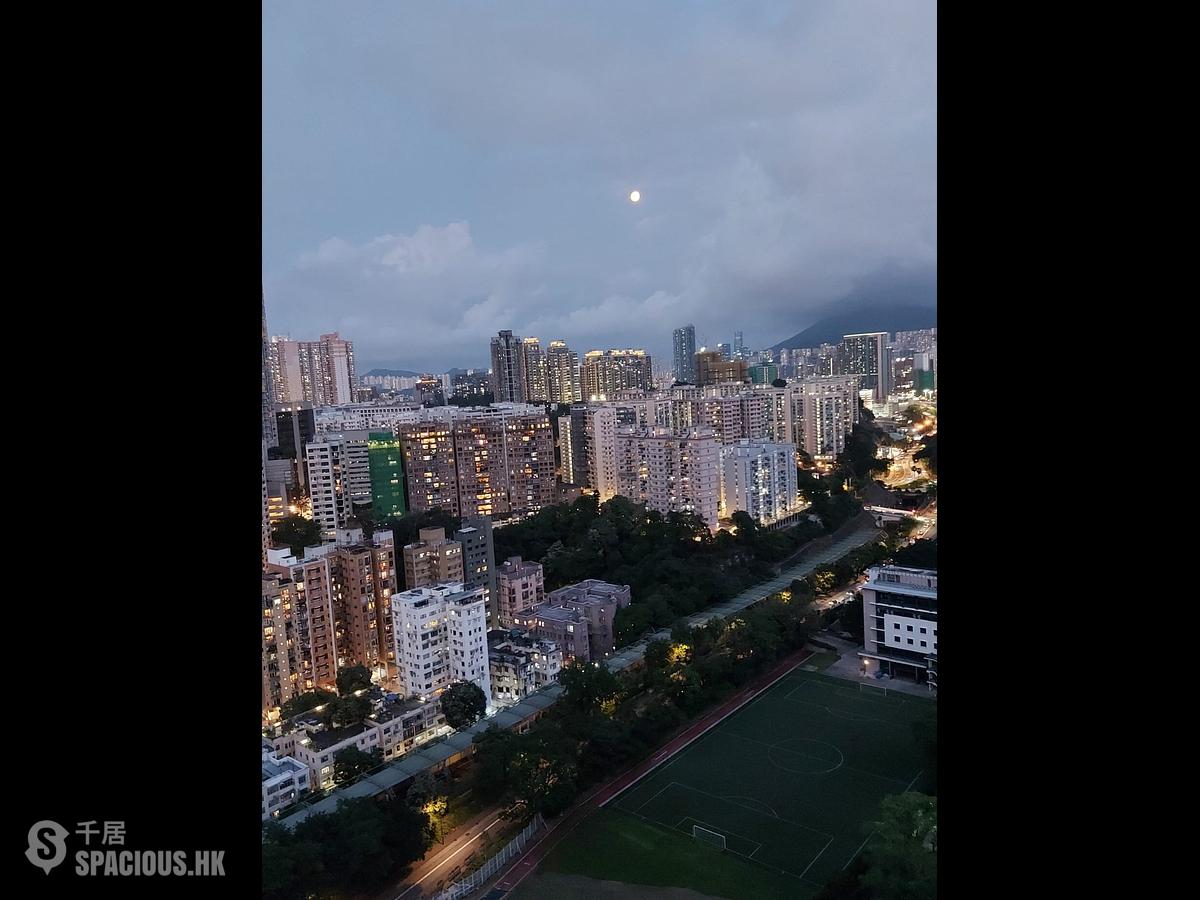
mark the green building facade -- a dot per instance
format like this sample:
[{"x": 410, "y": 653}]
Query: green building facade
[
  {"x": 387, "y": 475},
  {"x": 763, "y": 373}
]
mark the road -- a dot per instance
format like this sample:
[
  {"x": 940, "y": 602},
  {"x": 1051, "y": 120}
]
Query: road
[
  {"x": 567, "y": 823},
  {"x": 443, "y": 860}
]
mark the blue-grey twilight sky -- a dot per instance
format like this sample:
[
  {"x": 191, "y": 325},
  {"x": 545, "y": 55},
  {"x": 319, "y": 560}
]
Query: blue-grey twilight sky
[{"x": 434, "y": 172}]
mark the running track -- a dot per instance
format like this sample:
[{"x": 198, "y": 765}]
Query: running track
[{"x": 566, "y": 823}]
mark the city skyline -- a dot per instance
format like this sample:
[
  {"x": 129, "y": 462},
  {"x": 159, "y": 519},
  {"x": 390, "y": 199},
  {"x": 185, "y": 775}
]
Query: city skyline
[{"x": 408, "y": 202}]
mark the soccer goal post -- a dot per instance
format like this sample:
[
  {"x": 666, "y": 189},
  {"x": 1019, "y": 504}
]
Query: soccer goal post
[
  {"x": 872, "y": 689},
  {"x": 712, "y": 838}
]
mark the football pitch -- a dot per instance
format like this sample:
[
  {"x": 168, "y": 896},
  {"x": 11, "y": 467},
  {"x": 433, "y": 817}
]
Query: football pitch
[{"x": 785, "y": 785}]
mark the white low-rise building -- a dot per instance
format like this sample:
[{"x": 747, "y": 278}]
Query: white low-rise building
[
  {"x": 284, "y": 781},
  {"x": 900, "y": 625}
]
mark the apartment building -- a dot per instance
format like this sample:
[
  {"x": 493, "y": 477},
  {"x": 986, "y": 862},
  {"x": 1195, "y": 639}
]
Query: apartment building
[
  {"x": 284, "y": 781},
  {"x": 508, "y": 368},
  {"x": 759, "y": 478},
  {"x": 432, "y": 559},
  {"x": 598, "y": 602},
  {"x": 520, "y": 585},
  {"x": 605, "y": 372},
  {"x": 395, "y": 727},
  {"x": 520, "y": 664},
  {"x": 669, "y": 472},
  {"x": 567, "y": 628},
  {"x": 320, "y": 372},
  {"x": 479, "y": 559},
  {"x": 830, "y": 410},
  {"x": 440, "y": 635},
  {"x": 429, "y": 466},
  {"x": 900, "y": 623},
  {"x": 562, "y": 372}
]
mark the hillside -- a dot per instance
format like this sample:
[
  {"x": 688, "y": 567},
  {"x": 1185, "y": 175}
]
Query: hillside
[
  {"x": 394, "y": 373},
  {"x": 830, "y": 329}
]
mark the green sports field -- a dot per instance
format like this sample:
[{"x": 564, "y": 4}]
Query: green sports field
[{"x": 786, "y": 783}]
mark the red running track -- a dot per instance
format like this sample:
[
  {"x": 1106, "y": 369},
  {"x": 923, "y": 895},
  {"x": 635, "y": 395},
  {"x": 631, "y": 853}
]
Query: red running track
[{"x": 606, "y": 792}]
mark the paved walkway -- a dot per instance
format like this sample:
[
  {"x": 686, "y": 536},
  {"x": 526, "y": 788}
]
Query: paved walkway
[
  {"x": 443, "y": 860},
  {"x": 567, "y": 823},
  {"x": 849, "y": 667}
]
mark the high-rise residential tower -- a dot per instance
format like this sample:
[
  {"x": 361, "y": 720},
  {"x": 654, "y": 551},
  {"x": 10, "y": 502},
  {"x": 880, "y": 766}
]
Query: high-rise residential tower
[
  {"x": 866, "y": 355},
  {"x": 605, "y": 372},
  {"x": 562, "y": 372},
  {"x": 320, "y": 372},
  {"x": 508, "y": 368},
  {"x": 537, "y": 388},
  {"x": 684, "y": 340}
]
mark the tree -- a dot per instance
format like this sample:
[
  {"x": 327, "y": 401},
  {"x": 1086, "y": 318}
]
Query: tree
[
  {"x": 302, "y": 703},
  {"x": 902, "y": 865},
  {"x": 463, "y": 702},
  {"x": 779, "y": 382},
  {"x": 543, "y": 775},
  {"x": 928, "y": 454},
  {"x": 351, "y": 762},
  {"x": 921, "y": 554},
  {"x": 296, "y": 533},
  {"x": 925, "y": 733},
  {"x": 586, "y": 686},
  {"x": 353, "y": 679},
  {"x": 349, "y": 710}
]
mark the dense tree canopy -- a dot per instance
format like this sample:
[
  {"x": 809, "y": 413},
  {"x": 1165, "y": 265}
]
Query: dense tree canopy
[
  {"x": 673, "y": 564},
  {"x": 350, "y": 762},
  {"x": 920, "y": 554},
  {"x": 362, "y": 846},
  {"x": 463, "y": 703},
  {"x": 296, "y": 533},
  {"x": 302, "y": 703},
  {"x": 353, "y": 678}
]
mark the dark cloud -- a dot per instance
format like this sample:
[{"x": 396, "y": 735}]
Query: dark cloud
[{"x": 434, "y": 174}]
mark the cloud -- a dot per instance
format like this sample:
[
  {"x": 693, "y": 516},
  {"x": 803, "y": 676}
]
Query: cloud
[{"x": 784, "y": 152}]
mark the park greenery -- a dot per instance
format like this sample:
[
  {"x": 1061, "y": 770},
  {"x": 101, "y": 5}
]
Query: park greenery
[{"x": 302, "y": 703}]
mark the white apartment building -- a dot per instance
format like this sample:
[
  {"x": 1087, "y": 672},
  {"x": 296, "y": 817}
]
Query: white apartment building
[
  {"x": 830, "y": 412},
  {"x": 759, "y": 478},
  {"x": 284, "y": 780},
  {"x": 600, "y": 450},
  {"x": 521, "y": 664},
  {"x": 900, "y": 623},
  {"x": 440, "y": 635},
  {"x": 669, "y": 472}
]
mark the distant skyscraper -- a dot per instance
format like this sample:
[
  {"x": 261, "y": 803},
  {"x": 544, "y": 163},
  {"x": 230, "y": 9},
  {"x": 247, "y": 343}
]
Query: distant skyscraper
[
  {"x": 685, "y": 353},
  {"x": 866, "y": 356},
  {"x": 508, "y": 368},
  {"x": 725, "y": 350},
  {"x": 739, "y": 346},
  {"x": 562, "y": 373}
]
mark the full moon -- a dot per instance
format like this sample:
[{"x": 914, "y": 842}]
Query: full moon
[{"x": 635, "y": 196}]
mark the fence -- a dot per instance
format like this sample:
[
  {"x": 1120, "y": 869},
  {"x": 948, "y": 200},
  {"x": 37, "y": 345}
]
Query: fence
[{"x": 476, "y": 879}]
